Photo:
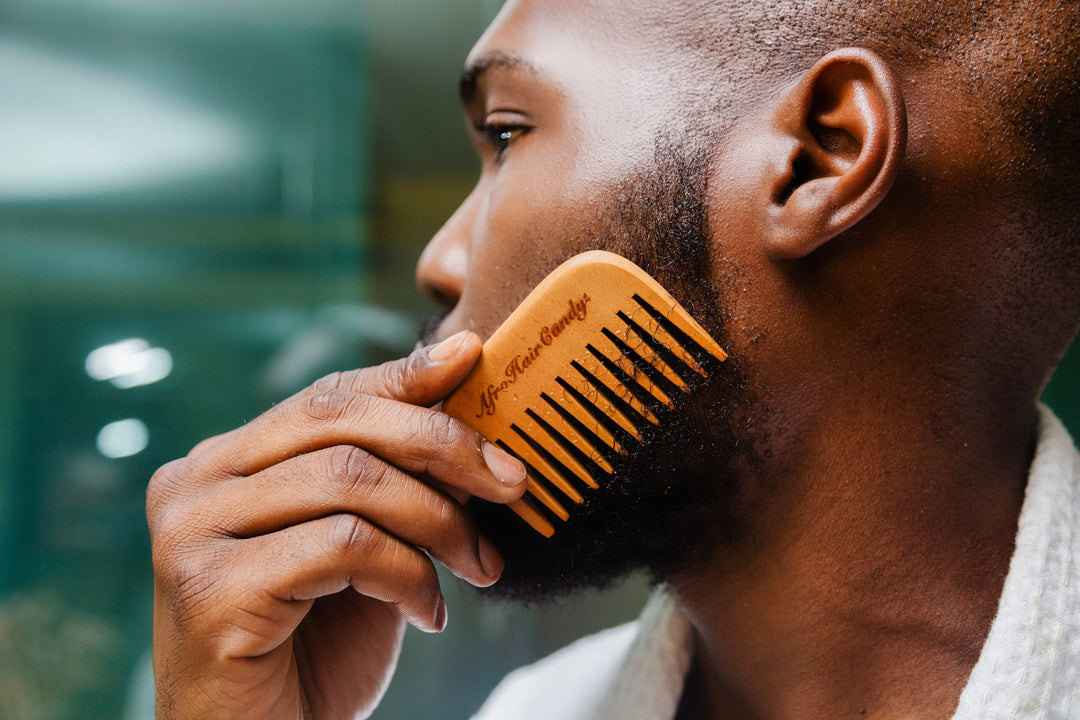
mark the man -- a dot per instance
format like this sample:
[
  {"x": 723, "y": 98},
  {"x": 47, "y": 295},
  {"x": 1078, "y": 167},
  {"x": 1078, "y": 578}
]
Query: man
[{"x": 873, "y": 207}]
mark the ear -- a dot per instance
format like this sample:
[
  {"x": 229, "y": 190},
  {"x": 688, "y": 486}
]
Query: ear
[{"x": 844, "y": 128}]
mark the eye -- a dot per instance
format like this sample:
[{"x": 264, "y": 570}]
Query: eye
[{"x": 500, "y": 137}]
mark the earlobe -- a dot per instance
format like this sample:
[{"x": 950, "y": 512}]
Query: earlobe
[{"x": 842, "y": 131}]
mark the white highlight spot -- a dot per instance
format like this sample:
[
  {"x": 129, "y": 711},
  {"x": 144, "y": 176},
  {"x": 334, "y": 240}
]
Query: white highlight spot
[
  {"x": 72, "y": 128},
  {"x": 129, "y": 363},
  {"x": 123, "y": 438}
]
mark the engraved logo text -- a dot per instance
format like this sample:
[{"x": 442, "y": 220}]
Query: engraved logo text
[{"x": 519, "y": 365}]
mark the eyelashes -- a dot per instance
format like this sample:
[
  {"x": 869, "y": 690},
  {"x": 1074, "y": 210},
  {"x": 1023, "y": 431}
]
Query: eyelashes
[{"x": 500, "y": 136}]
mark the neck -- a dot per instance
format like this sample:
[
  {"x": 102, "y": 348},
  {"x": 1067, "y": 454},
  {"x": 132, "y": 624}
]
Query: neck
[{"x": 871, "y": 570}]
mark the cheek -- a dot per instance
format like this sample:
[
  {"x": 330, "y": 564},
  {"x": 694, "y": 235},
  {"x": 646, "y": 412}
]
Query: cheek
[
  {"x": 524, "y": 230},
  {"x": 741, "y": 268}
]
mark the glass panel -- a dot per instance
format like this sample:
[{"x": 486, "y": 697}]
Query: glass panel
[
  {"x": 187, "y": 200},
  {"x": 182, "y": 241}
]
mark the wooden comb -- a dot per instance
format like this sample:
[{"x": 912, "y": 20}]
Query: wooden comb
[{"x": 578, "y": 373}]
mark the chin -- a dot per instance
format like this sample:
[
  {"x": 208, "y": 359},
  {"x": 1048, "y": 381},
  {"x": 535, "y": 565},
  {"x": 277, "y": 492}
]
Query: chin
[{"x": 668, "y": 506}]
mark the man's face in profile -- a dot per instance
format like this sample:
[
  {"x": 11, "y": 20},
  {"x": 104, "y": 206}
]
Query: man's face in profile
[{"x": 575, "y": 157}]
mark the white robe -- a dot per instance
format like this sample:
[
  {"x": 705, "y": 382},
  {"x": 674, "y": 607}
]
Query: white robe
[{"x": 1029, "y": 668}]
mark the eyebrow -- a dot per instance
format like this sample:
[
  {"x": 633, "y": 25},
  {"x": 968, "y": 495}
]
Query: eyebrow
[{"x": 470, "y": 76}]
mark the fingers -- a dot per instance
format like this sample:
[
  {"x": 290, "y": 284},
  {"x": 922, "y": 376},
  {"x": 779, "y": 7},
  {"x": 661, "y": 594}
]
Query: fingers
[
  {"x": 340, "y": 493},
  {"x": 424, "y": 378},
  {"x": 276, "y": 589},
  {"x": 346, "y": 479},
  {"x": 340, "y": 551},
  {"x": 374, "y": 409},
  {"x": 417, "y": 440}
]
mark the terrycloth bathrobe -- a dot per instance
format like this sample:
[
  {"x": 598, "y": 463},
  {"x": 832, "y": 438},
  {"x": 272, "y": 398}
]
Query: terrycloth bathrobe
[{"x": 1029, "y": 668}]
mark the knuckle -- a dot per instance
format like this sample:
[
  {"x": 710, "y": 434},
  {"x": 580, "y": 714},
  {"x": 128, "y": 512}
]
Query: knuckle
[
  {"x": 175, "y": 533},
  {"x": 190, "y": 582},
  {"x": 177, "y": 523},
  {"x": 162, "y": 521},
  {"x": 349, "y": 468},
  {"x": 333, "y": 381},
  {"x": 447, "y": 513},
  {"x": 164, "y": 491},
  {"x": 191, "y": 590},
  {"x": 329, "y": 405},
  {"x": 349, "y": 534},
  {"x": 442, "y": 514},
  {"x": 440, "y": 429},
  {"x": 400, "y": 376},
  {"x": 394, "y": 376},
  {"x": 181, "y": 569}
]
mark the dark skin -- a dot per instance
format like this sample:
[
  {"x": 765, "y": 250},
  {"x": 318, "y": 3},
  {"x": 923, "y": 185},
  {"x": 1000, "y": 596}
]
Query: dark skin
[
  {"x": 290, "y": 553},
  {"x": 878, "y": 528}
]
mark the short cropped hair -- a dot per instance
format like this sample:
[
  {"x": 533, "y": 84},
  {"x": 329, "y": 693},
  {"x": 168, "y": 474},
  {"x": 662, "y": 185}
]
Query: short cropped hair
[{"x": 1012, "y": 65}]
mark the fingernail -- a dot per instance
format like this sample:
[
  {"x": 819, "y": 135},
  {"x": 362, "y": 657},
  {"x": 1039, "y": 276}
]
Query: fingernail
[
  {"x": 506, "y": 468},
  {"x": 441, "y": 615},
  {"x": 448, "y": 347},
  {"x": 490, "y": 559}
]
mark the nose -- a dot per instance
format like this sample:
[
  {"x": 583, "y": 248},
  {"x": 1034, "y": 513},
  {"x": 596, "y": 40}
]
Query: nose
[{"x": 444, "y": 264}]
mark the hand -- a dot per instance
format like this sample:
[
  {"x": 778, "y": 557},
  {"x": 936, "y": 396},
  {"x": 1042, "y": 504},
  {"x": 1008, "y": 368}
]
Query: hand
[{"x": 289, "y": 553}]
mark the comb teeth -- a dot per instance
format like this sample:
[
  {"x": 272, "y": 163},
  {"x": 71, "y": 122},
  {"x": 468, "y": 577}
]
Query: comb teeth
[{"x": 601, "y": 378}]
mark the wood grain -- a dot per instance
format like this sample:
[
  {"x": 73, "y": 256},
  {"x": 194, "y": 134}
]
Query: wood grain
[{"x": 588, "y": 358}]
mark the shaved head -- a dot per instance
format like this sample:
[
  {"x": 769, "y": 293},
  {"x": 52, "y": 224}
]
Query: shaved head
[
  {"x": 993, "y": 94},
  {"x": 1018, "y": 60},
  {"x": 1010, "y": 67}
]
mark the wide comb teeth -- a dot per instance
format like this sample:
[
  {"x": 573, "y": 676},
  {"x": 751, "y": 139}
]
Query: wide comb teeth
[{"x": 615, "y": 351}]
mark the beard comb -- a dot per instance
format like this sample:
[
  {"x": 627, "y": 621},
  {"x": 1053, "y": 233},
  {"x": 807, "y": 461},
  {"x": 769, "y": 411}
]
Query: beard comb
[{"x": 576, "y": 376}]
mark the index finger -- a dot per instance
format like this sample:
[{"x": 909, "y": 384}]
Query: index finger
[
  {"x": 420, "y": 379},
  {"x": 423, "y": 378}
]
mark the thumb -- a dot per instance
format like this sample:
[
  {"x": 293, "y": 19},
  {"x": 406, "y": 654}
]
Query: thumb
[{"x": 423, "y": 378}]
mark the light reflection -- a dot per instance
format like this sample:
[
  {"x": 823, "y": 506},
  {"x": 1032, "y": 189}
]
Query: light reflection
[
  {"x": 129, "y": 363},
  {"x": 123, "y": 438},
  {"x": 71, "y": 128}
]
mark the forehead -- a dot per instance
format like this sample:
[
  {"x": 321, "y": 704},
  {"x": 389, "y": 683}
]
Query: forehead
[
  {"x": 546, "y": 21},
  {"x": 578, "y": 41},
  {"x": 662, "y": 55},
  {"x": 604, "y": 59}
]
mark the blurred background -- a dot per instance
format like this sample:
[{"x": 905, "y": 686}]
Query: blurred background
[{"x": 203, "y": 207}]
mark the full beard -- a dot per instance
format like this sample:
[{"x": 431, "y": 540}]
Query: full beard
[{"x": 675, "y": 498}]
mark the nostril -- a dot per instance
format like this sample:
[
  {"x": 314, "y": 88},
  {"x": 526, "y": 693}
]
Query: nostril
[
  {"x": 440, "y": 286},
  {"x": 442, "y": 297}
]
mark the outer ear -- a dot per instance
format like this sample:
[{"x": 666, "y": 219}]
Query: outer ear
[{"x": 845, "y": 128}]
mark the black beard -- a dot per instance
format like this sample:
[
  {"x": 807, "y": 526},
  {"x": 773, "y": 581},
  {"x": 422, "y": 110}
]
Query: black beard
[{"x": 676, "y": 497}]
